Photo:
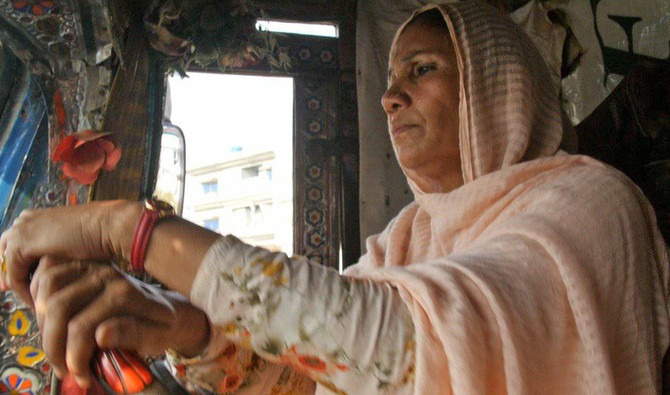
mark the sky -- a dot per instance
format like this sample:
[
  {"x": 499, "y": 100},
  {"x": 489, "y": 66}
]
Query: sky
[{"x": 219, "y": 111}]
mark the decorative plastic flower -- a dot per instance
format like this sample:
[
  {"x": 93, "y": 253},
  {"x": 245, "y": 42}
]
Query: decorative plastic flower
[
  {"x": 19, "y": 324},
  {"x": 29, "y": 356},
  {"x": 35, "y": 7},
  {"x": 15, "y": 381},
  {"x": 84, "y": 154}
]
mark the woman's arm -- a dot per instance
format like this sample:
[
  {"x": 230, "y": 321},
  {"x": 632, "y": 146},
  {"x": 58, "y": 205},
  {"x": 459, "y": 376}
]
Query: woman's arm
[
  {"x": 351, "y": 336},
  {"x": 176, "y": 246},
  {"x": 355, "y": 336},
  {"x": 101, "y": 231},
  {"x": 340, "y": 332}
]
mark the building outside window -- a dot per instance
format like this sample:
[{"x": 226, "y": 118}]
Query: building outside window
[
  {"x": 250, "y": 172},
  {"x": 251, "y": 156},
  {"x": 242, "y": 216},
  {"x": 210, "y": 187},
  {"x": 212, "y": 224}
]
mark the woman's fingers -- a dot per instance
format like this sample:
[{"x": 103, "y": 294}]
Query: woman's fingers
[
  {"x": 132, "y": 333},
  {"x": 51, "y": 276},
  {"x": 16, "y": 266},
  {"x": 65, "y": 303},
  {"x": 120, "y": 298},
  {"x": 72, "y": 232},
  {"x": 82, "y": 305},
  {"x": 186, "y": 330},
  {"x": 20, "y": 246}
]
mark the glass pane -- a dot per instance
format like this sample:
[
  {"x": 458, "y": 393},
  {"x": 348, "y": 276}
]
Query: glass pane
[
  {"x": 239, "y": 154},
  {"x": 310, "y": 29},
  {"x": 170, "y": 179}
]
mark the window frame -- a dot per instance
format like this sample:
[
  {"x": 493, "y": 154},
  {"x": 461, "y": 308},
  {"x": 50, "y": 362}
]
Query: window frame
[{"x": 320, "y": 155}]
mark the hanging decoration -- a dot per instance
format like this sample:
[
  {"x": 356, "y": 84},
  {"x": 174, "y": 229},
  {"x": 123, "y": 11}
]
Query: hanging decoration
[
  {"x": 205, "y": 33},
  {"x": 84, "y": 154}
]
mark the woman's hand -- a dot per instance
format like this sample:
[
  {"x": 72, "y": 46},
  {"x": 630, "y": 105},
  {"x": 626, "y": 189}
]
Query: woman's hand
[
  {"x": 82, "y": 305},
  {"x": 73, "y": 232}
]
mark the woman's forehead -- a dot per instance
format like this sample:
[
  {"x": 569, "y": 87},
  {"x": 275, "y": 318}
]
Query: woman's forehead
[{"x": 419, "y": 39}]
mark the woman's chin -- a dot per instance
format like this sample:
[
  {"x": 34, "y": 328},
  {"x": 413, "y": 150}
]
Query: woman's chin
[{"x": 409, "y": 159}]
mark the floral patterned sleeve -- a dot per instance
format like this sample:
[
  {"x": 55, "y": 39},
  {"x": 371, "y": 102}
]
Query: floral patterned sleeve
[
  {"x": 225, "y": 367},
  {"x": 281, "y": 319}
]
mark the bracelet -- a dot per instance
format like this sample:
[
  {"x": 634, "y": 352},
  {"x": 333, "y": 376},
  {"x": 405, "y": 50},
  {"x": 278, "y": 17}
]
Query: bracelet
[{"x": 153, "y": 211}]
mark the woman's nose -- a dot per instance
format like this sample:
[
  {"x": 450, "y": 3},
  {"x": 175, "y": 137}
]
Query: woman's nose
[{"x": 394, "y": 99}]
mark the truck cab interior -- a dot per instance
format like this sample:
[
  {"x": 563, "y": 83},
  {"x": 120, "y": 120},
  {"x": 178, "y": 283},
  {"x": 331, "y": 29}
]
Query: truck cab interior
[{"x": 263, "y": 118}]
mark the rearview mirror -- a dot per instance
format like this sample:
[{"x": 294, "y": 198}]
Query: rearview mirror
[{"x": 172, "y": 167}]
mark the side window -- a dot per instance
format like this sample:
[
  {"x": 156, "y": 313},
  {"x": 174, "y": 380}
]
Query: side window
[
  {"x": 284, "y": 163},
  {"x": 239, "y": 154}
]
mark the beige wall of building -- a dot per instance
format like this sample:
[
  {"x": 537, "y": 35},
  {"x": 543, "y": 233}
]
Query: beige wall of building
[{"x": 248, "y": 194}]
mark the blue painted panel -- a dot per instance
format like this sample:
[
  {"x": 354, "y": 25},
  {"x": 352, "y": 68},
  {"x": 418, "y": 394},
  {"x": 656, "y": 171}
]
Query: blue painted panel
[
  {"x": 33, "y": 174},
  {"x": 20, "y": 125}
]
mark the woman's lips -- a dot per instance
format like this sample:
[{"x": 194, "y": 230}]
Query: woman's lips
[{"x": 396, "y": 130}]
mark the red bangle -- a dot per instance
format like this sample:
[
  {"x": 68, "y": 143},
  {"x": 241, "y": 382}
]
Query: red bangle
[{"x": 153, "y": 210}]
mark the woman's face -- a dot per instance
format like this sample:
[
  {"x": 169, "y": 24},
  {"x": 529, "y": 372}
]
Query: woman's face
[{"x": 421, "y": 104}]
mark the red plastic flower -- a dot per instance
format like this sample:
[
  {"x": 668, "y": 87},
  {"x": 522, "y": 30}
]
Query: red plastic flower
[{"x": 84, "y": 154}]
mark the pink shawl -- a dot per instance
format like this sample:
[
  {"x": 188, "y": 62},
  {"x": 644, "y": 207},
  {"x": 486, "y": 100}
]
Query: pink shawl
[{"x": 544, "y": 273}]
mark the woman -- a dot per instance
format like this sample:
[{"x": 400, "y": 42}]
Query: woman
[{"x": 518, "y": 268}]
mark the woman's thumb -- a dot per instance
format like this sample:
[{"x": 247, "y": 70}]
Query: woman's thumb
[{"x": 130, "y": 333}]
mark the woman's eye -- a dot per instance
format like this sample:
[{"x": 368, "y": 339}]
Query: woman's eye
[{"x": 423, "y": 69}]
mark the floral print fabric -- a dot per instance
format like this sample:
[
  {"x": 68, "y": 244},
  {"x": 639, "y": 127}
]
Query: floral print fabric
[
  {"x": 227, "y": 368},
  {"x": 279, "y": 323}
]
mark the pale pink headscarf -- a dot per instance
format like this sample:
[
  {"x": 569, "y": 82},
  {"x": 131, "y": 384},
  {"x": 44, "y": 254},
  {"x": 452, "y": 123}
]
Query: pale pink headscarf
[
  {"x": 545, "y": 273},
  {"x": 509, "y": 109}
]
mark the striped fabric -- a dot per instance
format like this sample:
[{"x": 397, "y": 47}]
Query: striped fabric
[{"x": 545, "y": 273}]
